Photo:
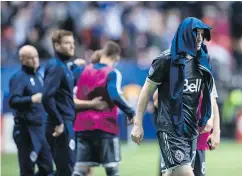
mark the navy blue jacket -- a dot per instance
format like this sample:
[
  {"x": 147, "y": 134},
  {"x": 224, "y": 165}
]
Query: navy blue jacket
[
  {"x": 23, "y": 84},
  {"x": 184, "y": 42},
  {"x": 113, "y": 88},
  {"x": 58, "y": 92}
]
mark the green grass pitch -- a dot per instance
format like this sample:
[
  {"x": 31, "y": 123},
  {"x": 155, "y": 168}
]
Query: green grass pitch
[{"x": 143, "y": 161}]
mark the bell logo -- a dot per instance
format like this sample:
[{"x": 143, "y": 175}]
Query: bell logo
[{"x": 192, "y": 87}]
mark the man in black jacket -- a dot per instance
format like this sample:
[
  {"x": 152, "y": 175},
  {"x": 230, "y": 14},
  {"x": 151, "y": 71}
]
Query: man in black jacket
[{"x": 25, "y": 99}]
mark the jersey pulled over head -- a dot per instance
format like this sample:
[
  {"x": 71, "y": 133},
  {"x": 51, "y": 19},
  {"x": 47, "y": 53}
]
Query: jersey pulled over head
[
  {"x": 188, "y": 40},
  {"x": 185, "y": 39}
]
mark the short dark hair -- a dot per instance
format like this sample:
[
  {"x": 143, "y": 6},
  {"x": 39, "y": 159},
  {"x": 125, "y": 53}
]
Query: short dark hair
[
  {"x": 96, "y": 56},
  {"x": 111, "y": 49},
  {"x": 59, "y": 34}
]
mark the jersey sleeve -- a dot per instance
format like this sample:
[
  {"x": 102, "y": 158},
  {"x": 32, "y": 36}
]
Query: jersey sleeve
[
  {"x": 116, "y": 94},
  {"x": 52, "y": 80},
  {"x": 156, "y": 72},
  {"x": 17, "y": 97}
]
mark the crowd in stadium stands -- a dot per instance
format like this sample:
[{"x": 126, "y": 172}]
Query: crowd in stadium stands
[{"x": 142, "y": 29}]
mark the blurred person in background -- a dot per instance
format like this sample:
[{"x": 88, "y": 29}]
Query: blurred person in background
[
  {"x": 97, "y": 131},
  {"x": 95, "y": 103},
  {"x": 236, "y": 27},
  {"x": 59, "y": 103},
  {"x": 26, "y": 88},
  {"x": 179, "y": 74}
]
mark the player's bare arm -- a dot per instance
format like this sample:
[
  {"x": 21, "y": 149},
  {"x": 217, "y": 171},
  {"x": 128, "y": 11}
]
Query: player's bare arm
[
  {"x": 215, "y": 136},
  {"x": 210, "y": 122},
  {"x": 95, "y": 103},
  {"x": 137, "y": 131}
]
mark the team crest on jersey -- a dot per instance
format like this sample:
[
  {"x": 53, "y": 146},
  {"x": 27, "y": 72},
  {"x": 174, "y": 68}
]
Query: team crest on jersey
[
  {"x": 72, "y": 144},
  {"x": 179, "y": 155},
  {"x": 33, "y": 156},
  {"x": 32, "y": 81},
  {"x": 151, "y": 71}
]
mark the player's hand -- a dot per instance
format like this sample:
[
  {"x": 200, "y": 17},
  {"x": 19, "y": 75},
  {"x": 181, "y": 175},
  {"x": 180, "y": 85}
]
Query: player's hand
[
  {"x": 36, "y": 98},
  {"x": 208, "y": 126},
  {"x": 98, "y": 104},
  {"x": 59, "y": 129},
  {"x": 215, "y": 139},
  {"x": 137, "y": 133},
  {"x": 79, "y": 62}
]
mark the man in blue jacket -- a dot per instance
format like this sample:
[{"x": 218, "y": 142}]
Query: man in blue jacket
[
  {"x": 59, "y": 104},
  {"x": 180, "y": 74},
  {"x": 26, "y": 87}
]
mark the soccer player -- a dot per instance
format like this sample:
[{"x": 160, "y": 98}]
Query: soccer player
[
  {"x": 95, "y": 58},
  {"x": 205, "y": 135},
  {"x": 59, "y": 103},
  {"x": 179, "y": 75},
  {"x": 96, "y": 102},
  {"x": 26, "y": 87},
  {"x": 97, "y": 140}
]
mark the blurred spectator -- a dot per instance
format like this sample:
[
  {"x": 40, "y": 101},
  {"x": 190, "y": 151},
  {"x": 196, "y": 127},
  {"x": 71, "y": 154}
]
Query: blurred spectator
[
  {"x": 236, "y": 28},
  {"x": 133, "y": 25},
  {"x": 142, "y": 29}
]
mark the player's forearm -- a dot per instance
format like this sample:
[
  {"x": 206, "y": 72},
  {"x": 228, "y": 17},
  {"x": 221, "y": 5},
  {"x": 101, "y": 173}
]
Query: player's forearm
[
  {"x": 121, "y": 103},
  {"x": 83, "y": 104},
  {"x": 141, "y": 106},
  {"x": 17, "y": 101},
  {"x": 216, "y": 119},
  {"x": 147, "y": 90}
]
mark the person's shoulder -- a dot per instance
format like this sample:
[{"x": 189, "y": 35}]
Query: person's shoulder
[
  {"x": 53, "y": 64},
  {"x": 116, "y": 72},
  {"x": 164, "y": 55},
  {"x": 17, "y": 75},
  {"x": 163, "y": 58},
  {"x": 79, "y": 69}
]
